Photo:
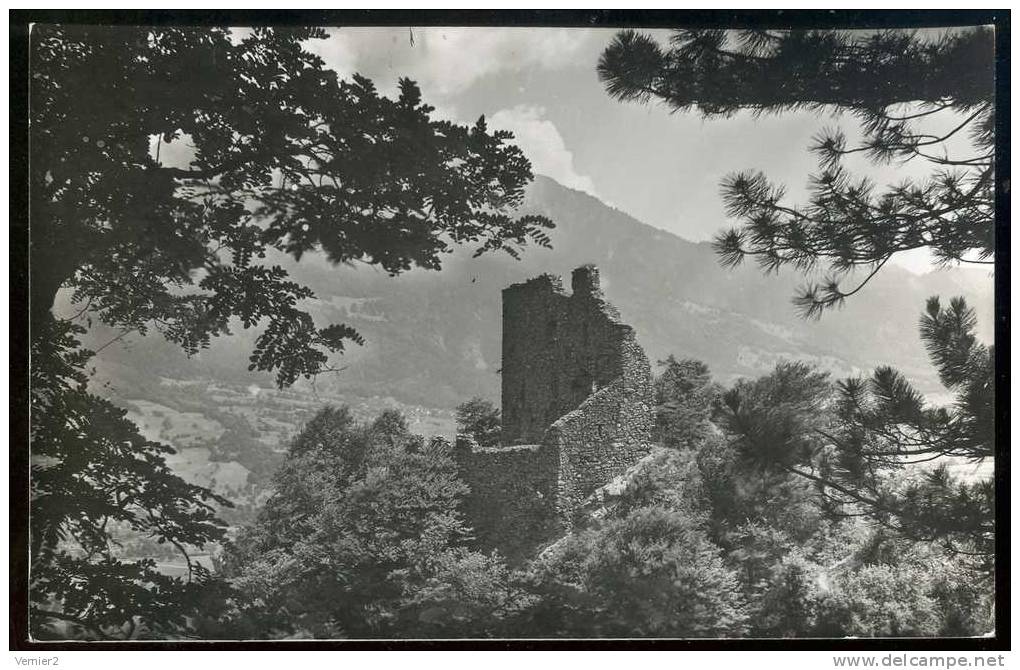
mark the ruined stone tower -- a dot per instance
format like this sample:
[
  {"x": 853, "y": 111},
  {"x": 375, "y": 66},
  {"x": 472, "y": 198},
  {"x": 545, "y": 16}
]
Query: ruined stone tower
[{"x": 576, "y": 405}]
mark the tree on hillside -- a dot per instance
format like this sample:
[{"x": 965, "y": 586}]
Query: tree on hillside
[
  {"x": 863, "y": 445},
  {"x": 479, "y": 418},
  {"x": 770, "y": 426},
  {"x": 285, "y": 159},
  {"x": 885, "y": 425},
  {"x": 913, "y": 95},
  {"x": 684, "y": 399}
]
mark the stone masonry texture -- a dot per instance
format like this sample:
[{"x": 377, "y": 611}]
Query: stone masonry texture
[{"x": 577, "y": 412}]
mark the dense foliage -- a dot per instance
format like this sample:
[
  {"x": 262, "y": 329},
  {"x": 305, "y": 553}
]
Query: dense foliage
[
  {"x": 861, "y": 441},
  {"x": 684, "y": 400},
  {"x": 280, "y": 157},
  {"x": 873, "y": 448},
  {"x": 362, "y": 538},
  {"x": 730, "y": 533},
  {"x": 916, "y": 97},
  {"x": 286, "y": 158},
  {"x": 733, "y": 532},
  {"x": 97, "y": 483},
  {"x": 788, "y": 505},
  {"x": 645, "y": 566}
]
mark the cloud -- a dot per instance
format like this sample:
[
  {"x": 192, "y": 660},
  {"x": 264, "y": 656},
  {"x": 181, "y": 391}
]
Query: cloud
[
  {"x": 446, "y": 61},
  {"x": 542, "y": 144},
  {"x": 339, "y": 52},
  {"x": 458, "y": 57}
]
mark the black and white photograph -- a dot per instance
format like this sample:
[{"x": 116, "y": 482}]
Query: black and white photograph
[{"x": 582, "y": 327}]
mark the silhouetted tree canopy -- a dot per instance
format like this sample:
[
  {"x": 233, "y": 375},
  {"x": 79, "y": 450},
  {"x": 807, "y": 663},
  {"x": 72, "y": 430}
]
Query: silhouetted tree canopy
[
  {"x": 917, "y": 97},
  {"x": 283, "y": 158},
  {"x": 286, "y": 158},
  {"x": 884, "y": 425},
  {"x": 95, "y": 482},
  {"x": 914, "y": 97}
]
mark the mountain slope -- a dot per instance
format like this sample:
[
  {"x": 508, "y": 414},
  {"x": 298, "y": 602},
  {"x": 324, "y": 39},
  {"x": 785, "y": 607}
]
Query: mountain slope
[{"x": 433, "y": 338}]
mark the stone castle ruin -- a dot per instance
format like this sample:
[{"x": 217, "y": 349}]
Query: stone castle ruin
[{"x": 576, "y": 407}]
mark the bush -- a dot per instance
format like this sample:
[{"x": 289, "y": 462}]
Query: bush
[
  {"x": 788, "y": 605},
  {"x": 464, "y": 594},
  {"x": 880, "y": 601},
  {"x": 359, "y": 510},
  {"x": 651, "y": 573},
  {"x": 479, "y": 418}
]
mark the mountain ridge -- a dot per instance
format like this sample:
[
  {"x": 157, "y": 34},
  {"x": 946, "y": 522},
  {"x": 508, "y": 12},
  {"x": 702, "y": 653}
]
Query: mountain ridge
[{"x": 433, "y": 338}]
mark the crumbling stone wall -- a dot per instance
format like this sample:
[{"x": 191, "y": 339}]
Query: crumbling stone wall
[
  {"x": 577, "y": 412},
  {"x": 558, "y": 349},
  {"x": 512, "y": 502},
  {"x": 607, "y": 434}
]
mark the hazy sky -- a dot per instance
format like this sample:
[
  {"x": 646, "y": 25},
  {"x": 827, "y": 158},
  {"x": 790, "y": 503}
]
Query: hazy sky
[{"x": 541, "y": 83}]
